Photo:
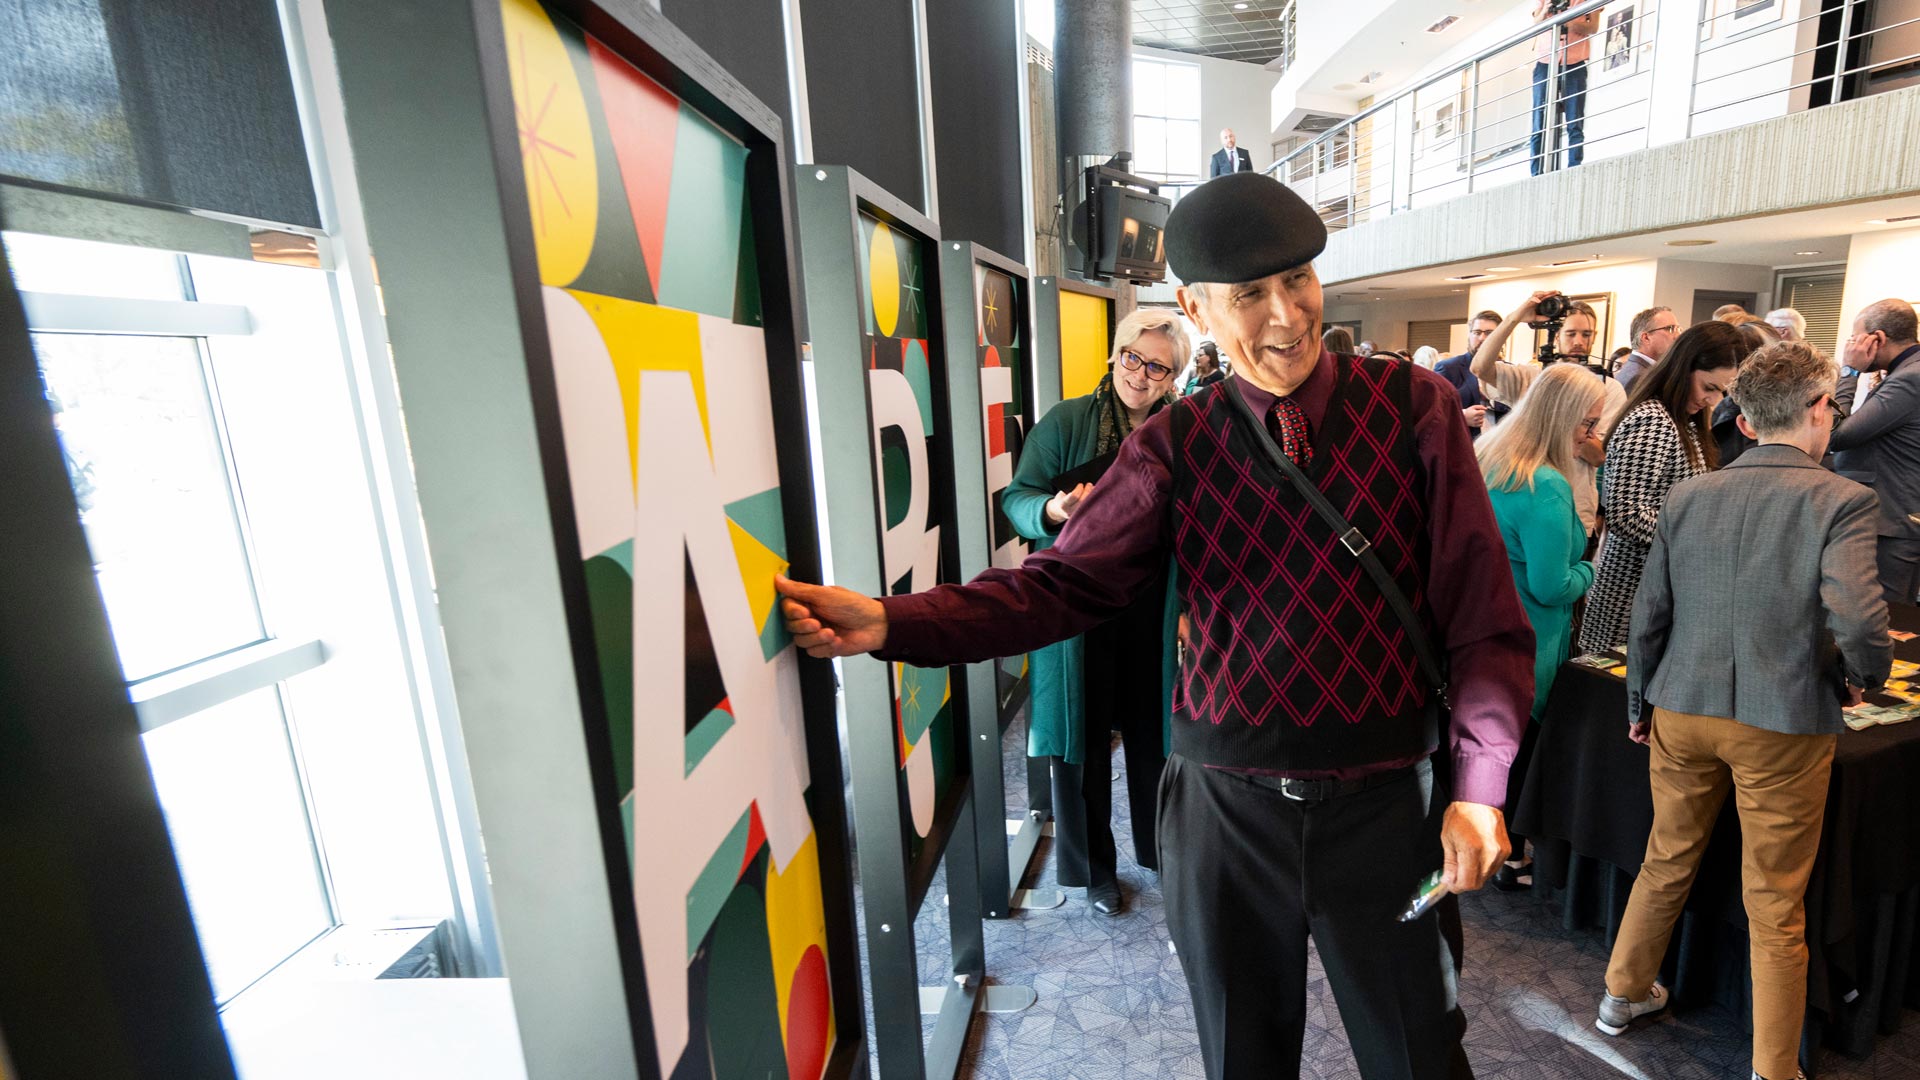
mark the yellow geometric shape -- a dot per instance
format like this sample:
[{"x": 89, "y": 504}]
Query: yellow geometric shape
[
  {"x": 1084, "y": 344},
  {"x": 883, "y": 278},
  {"x": 556, "y": 142},
  {"x": 796, "y": 919},
  {"x": 647, "y": 337},
  {"x": 758, "y": 565}
]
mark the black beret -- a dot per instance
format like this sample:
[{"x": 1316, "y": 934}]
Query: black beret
[{"x": 1242, "y": 227}]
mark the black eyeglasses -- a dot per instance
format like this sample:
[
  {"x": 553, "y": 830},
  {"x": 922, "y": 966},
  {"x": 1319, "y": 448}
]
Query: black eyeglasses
[
  {"x": 1669, "y": 329},
  {"x": 1133, "y": 361},
  {"x": 1588, "y": 427},
  {"x": 1833, "y": 407}
]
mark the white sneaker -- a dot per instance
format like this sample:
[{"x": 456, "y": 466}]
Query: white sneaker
[
  {"x": 1797, "y": 1075},
  {"x": 1617, "y": 1012}
]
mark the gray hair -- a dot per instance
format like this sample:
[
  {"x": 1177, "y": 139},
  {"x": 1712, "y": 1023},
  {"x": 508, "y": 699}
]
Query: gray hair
[
  {"x": 1777, "y": 383},
  {"x": 1894, "y": 318},
  {"x": 1791, "y": 318}
]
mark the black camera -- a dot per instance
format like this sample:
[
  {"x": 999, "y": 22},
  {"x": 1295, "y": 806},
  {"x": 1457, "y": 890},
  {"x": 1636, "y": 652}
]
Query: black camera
[
  {"x": 1558, "y": 7},
  {"x": 1553, "y": 309}
]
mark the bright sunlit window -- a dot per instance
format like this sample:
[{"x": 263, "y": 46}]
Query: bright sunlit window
[
  {"x": 158, "y": 491},
  {"x": 1167, "y": 141}
]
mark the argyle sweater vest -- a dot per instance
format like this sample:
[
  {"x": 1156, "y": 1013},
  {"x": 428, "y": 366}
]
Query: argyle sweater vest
[{"x": 1297, "y": 662}]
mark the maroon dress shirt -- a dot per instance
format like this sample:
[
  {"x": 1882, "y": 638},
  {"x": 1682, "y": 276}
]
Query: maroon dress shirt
[{"x": 1121, "y": 537}]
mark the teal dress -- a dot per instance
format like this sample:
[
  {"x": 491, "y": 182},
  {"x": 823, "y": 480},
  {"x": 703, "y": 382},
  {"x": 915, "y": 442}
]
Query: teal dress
[
  {"x": 1544, "y": 542},
  {"x": 1065, "y": 439}
]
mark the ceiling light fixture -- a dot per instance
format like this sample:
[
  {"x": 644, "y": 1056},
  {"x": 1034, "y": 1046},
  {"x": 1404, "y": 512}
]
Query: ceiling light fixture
[
  {"x": 1468, "y": 277},
  {"x": 1894, "y": 220},
  {"x": 1441, "y": 26},
  {"x": 1503, "y": 269},
  {"x": 1690, "y": 243},
  {"x": 1806, "y": 253}
]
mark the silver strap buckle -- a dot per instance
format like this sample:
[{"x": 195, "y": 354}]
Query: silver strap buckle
[{"x": 1355, "y": 542}]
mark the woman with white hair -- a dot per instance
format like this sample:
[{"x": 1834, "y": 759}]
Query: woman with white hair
[
  {"x": 1119, "y": 675},
  {"x": 1791, "y": 324},
  {"x": 1531, "y": 462},
  {"x": 1426, "y": 356}
]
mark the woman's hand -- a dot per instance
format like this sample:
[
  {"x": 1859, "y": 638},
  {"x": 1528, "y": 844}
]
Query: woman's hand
[{"x": 1063, "y": 504}]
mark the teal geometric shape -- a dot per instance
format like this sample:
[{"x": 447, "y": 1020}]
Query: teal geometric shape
[
  {"x": 922, "y": 691},
  {"x": 621, "y": 553},
  {"x": 699, "y": 269},
  {"x": 920, "y": 377},
  {"x": 715, "y": 883},
  {"x": 774, "y": 636},
  {"x": 705, "y": 735},
  {"x": 764, "y": 519}
]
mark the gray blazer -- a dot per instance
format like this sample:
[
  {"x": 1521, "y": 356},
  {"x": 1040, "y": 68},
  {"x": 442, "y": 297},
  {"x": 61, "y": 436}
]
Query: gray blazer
[
  {"x": 1760, "y": 596},
  {"x": 1879, "y": 444}
]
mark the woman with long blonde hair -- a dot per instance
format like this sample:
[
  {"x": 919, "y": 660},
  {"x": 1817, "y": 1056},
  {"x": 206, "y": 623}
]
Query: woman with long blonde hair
[{"x": 1529, "y": 463}]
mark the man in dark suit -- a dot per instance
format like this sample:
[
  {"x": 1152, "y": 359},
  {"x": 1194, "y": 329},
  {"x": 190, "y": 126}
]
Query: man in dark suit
[
  {"x": 1879, "y": 444},
  {"x": 1231, "y": 157},
  {"x": 1458, "y": 370}
]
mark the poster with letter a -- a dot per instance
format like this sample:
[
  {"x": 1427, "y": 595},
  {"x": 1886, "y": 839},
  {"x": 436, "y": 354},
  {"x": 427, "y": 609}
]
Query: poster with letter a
[{"x": 674, "y": 411}]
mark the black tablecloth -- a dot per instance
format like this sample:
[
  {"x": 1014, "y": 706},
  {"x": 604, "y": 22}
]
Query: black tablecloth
[{"x": 1587, "y": 807}]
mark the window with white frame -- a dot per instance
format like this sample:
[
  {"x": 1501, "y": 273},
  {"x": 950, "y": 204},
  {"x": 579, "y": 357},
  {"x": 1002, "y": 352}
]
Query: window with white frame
[
  {"x": 222, "y": 478},
  {"x": 1167, "y": 141}
]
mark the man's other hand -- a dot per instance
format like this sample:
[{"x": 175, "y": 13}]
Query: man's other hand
[
  {"x": 1476, "y": 415},
  {"x": 830, "y": 621},
  {"x": 1474, "y": 837}
]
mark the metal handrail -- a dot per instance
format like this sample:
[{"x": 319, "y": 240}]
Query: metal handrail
[{"x": 1532, "y": 32}]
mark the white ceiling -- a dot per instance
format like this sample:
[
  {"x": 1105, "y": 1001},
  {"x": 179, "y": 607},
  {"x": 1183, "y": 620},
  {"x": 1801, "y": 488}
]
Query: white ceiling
[
  {"x": 1776, "y": 241},
  {"x": 1338, "y": 50}
]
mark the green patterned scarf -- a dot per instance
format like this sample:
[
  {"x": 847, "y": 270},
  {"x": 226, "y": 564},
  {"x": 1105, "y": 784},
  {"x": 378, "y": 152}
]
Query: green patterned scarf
[{"x": 1115, "y": 422}]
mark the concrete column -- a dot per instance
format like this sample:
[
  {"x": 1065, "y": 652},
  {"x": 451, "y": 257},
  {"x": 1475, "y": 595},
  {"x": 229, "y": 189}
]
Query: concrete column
[{"x": 1093, "y": 76}]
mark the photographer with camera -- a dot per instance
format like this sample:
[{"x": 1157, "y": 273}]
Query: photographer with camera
[
  {"x": 1575, "y": 41},
  {"x": 1571, "y": 327}
]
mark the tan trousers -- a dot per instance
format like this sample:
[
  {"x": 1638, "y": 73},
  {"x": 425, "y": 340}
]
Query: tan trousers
[{"x": 1779, "y": 784}]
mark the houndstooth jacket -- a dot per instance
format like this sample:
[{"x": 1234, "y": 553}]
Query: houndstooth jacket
[{"x": 1645, "y": 458}]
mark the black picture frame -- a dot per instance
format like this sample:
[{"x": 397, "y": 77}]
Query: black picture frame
[
  {"x": 980, "y": 322},
  {"x": 638, "y": 34},
  {"x": 894, "y": 877}
]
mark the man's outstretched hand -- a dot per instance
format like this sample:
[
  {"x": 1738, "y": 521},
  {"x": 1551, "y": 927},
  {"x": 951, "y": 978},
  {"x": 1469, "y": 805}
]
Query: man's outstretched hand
[{"x": 831, "y": 621}]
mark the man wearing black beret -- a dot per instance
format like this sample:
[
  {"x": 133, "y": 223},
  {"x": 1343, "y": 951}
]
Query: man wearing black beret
[{"x": 1330, "y": 534}]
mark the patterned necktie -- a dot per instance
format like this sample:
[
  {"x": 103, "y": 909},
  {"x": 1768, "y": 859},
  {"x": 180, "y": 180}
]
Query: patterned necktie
[{"x": 1296, "y": 437}]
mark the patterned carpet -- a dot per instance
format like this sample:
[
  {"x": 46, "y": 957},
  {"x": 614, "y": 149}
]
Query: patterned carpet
[{"x": 1113, "y": 1002}]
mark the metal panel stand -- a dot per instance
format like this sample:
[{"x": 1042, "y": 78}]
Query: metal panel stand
[
  {"x": 831, "y": 200},
  {"x": 1002, "y": 867}
]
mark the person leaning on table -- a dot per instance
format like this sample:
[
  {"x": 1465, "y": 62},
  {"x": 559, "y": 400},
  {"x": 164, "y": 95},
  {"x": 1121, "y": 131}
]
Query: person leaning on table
[{"x": 1759, "y": 614}]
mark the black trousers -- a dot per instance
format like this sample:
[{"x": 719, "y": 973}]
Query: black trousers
[
  {"x": 1249, "y": 875},
  {"x": 1122, "y": 693}
]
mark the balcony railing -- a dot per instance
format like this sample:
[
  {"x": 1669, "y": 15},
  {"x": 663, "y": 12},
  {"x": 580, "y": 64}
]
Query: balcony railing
[{"x": 1523, "y": 107}]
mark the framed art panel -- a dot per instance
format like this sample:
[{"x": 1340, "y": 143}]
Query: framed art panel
[
  {"x": 987, "y": 303},
  {"x": 1087, "y": 319},
  {"x": 889, "y": 432},
  {"x": 676, "y": 462}
]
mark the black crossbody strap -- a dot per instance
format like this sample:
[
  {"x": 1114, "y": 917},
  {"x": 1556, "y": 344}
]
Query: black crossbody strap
[{"x": 1351, "y": 538}]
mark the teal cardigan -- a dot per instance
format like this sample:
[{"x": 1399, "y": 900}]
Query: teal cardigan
[
  {"x": 1065, "y": 439},
  {"x": 1544, "y": 542}
]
